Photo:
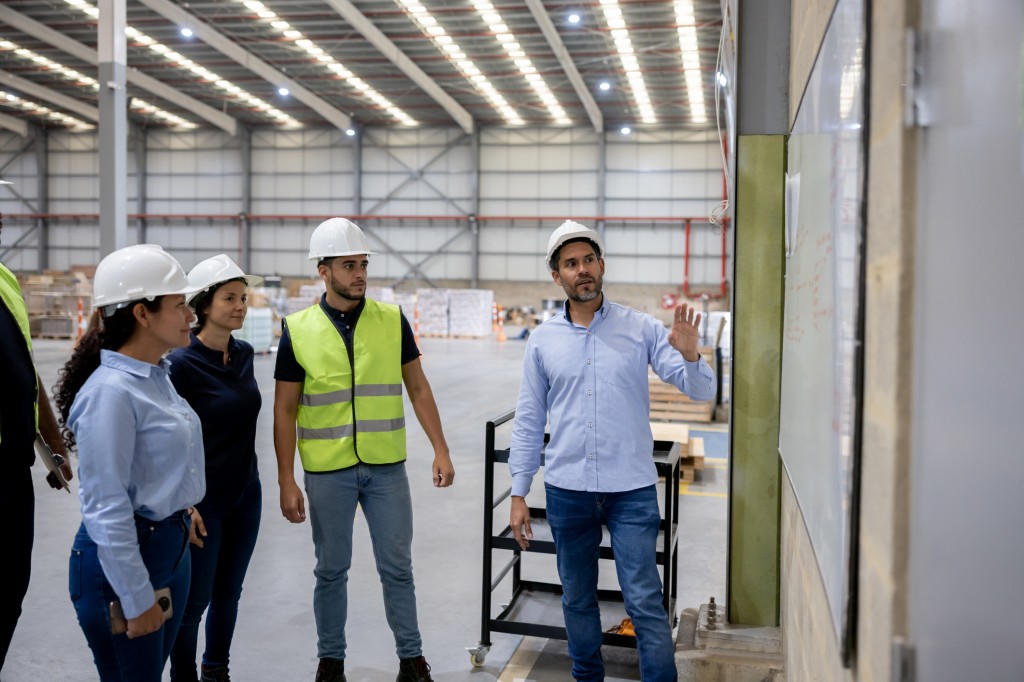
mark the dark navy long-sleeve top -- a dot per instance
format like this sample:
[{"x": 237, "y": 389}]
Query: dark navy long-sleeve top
[{"x": 227, "y": 400}]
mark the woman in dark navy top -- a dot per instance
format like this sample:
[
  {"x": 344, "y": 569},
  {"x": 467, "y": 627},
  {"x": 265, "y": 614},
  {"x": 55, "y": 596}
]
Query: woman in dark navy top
[{"x": 215, "y": 375}]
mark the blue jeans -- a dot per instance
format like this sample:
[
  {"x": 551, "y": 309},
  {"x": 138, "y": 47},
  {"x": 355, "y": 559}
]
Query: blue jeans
[
  {"x": 218, "y": 569},
  {"x": 633, "y": 519},
  {"x": 163, "y": 545},
  {"x": 382, "y": 490}
]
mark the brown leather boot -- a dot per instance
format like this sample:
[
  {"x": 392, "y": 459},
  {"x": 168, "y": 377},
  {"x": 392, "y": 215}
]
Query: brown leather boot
[
  {"x": 413, "y": 670},
  {"x": 331, "y": 670}
]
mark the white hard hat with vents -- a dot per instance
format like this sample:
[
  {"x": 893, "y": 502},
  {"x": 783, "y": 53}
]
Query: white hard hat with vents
[
  {"x": 571, "y": 230},
  {"x": 137, "y": 272},
  {"x": 213, "y": 271},
  {"x": 337, "y": 237}
]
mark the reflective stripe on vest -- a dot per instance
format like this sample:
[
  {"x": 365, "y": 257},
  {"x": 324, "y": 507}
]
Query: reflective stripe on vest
[
  {"x": 341, "y": 422},
  {"x": 10, "y": 293}
]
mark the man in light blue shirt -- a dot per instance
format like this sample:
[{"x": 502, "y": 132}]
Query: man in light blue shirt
[{"x": 585, "y": 373}]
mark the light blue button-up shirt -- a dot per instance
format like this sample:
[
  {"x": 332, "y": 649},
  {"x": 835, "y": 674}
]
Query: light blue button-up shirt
[
  {"x": 592, "y": 384},
  {"x": 140, "y": 451}
]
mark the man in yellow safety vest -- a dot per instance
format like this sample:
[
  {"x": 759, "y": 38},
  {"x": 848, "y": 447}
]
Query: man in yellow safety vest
[
  {"x": 24, "y": 409},
  {"x": 340, "y": 369}
]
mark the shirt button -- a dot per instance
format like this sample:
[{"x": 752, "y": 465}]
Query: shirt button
[
  {"x": 589, "y": 392},
  {"x": 588, "y": 362},
  {"x": 590, "y": 456},
  {"x": 589, "y": 424},
  {"x": 588, "y": 333}
]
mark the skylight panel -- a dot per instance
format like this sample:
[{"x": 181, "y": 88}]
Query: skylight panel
[{"x": 318, "y": 54}]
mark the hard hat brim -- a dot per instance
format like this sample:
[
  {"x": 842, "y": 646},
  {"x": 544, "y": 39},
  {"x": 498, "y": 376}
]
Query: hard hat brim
[{"x": 339, "y": 255}]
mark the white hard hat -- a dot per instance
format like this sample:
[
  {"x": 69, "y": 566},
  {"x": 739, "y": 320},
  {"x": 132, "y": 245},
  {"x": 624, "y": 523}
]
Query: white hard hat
[
  {"x": 337, "y": 237},
  {"x": 213, "y": 271},
  {"x": 571, "y": 230},
  {"x": 137, "y": 272}
]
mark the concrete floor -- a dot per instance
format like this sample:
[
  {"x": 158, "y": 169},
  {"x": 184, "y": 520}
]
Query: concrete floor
[{"x": 276, "y": 637}]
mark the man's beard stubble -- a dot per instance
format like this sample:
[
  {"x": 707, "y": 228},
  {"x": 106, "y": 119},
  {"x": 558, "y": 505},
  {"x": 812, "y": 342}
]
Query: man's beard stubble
[{"x": 344, "y": 291}]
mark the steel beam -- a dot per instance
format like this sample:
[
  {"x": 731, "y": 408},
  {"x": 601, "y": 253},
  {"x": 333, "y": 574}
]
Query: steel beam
[
  {"x": 547, "y": 27},
  {"x": 87, "y": 54},
  {"x": 14, "y": 124},
  {"x": 360, "y": 23},
  {"x": 602, "y": 175},
  {"x": 141, "y": 190},
  {"x": 52, "y": 96},
  {"x": 245, "y": 152},
  {"x": 43, "y": 197},
  {"x": 113, "y": 54},
  {"x": 230, "y": 48},
  {"x": 357, "y": 179},
  {"x": 474, "y": 224},
  {"x": 417, "y": 174}
]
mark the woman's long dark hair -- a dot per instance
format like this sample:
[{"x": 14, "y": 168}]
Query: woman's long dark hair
[
  {"x": 203, "y": 300},
  {"x": 105, "y": 333}
]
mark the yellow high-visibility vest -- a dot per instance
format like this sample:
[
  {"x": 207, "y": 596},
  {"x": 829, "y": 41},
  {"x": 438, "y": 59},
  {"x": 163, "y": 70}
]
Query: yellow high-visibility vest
[
  {"x": 10, "y": 292},
  {"x": 349, "y": 414}
]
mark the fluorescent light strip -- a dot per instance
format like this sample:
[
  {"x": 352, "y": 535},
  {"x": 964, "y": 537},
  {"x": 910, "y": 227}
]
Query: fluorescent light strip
[
  {"x": 507, "y": 40},
  {"x": 8, "y": 99},
  {"x": 87, "y": 81},
  {"x": 455, "y": 54},
  {"x": 181, "y": 61},
  {"x": 688, "y": 46},
  {"x": 627, "y": 56},
  {"x": 327, "y": 61}
]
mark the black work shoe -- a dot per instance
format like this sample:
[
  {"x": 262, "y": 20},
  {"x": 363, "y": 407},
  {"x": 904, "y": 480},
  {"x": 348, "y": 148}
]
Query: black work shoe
[
  {"x": 331, "y": 670},
  {"x": 217, "y": 674},
  {"x": 413, "y": 670}
]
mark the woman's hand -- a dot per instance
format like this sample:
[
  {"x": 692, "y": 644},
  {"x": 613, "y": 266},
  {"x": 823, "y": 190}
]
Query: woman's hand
[
  {"x": 147, "y": 622},
  {"x": 197, "y": 528}
]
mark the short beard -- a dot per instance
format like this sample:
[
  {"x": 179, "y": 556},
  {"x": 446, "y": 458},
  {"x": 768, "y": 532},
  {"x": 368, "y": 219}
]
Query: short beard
[
  {"x": 586, "y": 296},
  {"x": 345, "y": 293}
]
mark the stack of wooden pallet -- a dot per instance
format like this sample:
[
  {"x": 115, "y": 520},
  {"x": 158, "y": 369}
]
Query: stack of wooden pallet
[
  {"x": 691, "y": 450},
  {"x": 668, "y": 404}
]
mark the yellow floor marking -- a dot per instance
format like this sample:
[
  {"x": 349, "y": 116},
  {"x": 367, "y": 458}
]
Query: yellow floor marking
[
  {"x": 684, "y": 489},
  {"x": 523, "y": 659},
  {"x": 720, "y": 467}
]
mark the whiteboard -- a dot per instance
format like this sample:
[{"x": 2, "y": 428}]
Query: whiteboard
[{"x": 822, "y": 332}]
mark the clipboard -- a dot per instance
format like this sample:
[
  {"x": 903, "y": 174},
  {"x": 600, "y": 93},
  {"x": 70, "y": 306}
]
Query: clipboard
[{"x": 51, "y": 460}]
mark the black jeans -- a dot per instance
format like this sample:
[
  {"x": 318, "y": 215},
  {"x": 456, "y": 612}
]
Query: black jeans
[{"x": 19, "y": 503}]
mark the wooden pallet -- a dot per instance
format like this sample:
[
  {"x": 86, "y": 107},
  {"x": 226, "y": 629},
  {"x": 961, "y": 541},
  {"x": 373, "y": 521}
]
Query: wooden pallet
[{"x": 691, "y": 458}]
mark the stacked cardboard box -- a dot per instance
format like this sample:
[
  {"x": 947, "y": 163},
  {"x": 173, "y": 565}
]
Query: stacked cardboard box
[
  {"x": 469, "y": 312},
  {"x": 432, "y": 310}
]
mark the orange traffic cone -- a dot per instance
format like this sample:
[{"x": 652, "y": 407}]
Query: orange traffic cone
[
  {"x": 501, "y": 325},
  {"x": 416, "y": 325}
]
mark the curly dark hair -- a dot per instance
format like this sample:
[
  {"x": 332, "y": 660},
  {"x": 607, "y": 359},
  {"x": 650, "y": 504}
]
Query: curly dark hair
[
  {"x": 104, "y": 333},
  {"x": 203, "y": 300}
]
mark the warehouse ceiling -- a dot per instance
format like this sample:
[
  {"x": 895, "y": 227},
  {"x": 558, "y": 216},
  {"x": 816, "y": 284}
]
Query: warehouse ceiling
[{"x": 602, "y": 64}]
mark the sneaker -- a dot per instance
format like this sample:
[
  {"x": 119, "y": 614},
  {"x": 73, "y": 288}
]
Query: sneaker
[
  {"x": 413, "y": 670},
  {"x": 217, "y": 674},
  {"x": 331, "y": 670}
]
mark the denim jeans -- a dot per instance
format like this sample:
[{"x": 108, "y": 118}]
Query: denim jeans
[
  {"x": 633, "y": 520},
  {"x": 218, "y": 569},
  {"x": 382, "y": 491},
  {"x": 163, "y": 545}
]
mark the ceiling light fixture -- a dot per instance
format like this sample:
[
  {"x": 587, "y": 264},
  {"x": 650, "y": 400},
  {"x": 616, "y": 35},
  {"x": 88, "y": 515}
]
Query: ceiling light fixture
[
  {"x": 605, "y": 86},
  {"x": 501, "y": 32},
  {"x": 207, "y": 75},
  {"x": 320, "y": 56},
  {"x": 8, "y": 99},
  {"x": 92, "y": 83},
  {"x": 625, "y": 130},
  {"x": 451, "y": 50},
  {"x": 186, "y": 32},
  {"x": 690, "y": 49},
  {"x": 630, "y": 64},
  {"x": 574, "y": 18}
]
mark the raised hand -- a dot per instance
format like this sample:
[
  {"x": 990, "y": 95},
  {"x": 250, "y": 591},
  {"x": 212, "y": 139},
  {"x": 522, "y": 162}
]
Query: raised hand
[{"x": 685, "y": 332}]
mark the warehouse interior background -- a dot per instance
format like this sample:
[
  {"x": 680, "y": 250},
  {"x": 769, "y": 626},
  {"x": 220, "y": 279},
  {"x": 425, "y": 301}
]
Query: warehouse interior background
[{"x": 458, "y": 134}]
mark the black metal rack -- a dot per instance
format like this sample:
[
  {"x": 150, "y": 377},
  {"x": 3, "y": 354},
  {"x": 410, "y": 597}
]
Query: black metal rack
[{"x": 666, "y": 459}]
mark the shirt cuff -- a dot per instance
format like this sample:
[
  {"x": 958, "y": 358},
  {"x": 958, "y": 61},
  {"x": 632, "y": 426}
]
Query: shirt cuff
[
  {"x": 139, "y": 602},
  {"x": 521, "y": 485}
]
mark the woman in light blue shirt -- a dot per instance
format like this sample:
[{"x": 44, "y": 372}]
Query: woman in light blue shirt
[{"x": 141, "y": 469}]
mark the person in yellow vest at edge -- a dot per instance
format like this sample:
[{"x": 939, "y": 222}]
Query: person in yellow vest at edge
[
  {"x": 24, "y": 409},
  {"x": 340, "y": 368}
]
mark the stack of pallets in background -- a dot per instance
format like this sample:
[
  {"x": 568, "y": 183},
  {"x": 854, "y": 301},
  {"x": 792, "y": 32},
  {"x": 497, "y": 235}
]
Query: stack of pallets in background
[
  {"x": 407, "y": 302},
  {"x": 432, "y": 308},
  {"x": 691, "y": 450},
  {"x": 668, "y": 404},
  {"x": 469, "y": 313},
  {"x": 52, "y": 300}
]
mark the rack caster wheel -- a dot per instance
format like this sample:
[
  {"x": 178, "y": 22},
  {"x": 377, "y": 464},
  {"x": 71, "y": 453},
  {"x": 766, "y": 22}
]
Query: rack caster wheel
[{"x": 477, "y": 655}]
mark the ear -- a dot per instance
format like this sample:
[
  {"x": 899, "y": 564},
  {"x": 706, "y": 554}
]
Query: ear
[
  {"x": 141, "y": 314},
  {"x": 556, "y": 277}
]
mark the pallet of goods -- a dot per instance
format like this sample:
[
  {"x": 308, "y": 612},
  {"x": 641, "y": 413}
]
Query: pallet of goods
[
  {"x": 432, "y": 310},
  {"x": 669, "y": 404},
  {"x": 470, "y": 312}
]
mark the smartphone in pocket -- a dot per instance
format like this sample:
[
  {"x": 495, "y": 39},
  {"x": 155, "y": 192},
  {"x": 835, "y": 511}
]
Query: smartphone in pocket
[{"x": 119, "y": 624}]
